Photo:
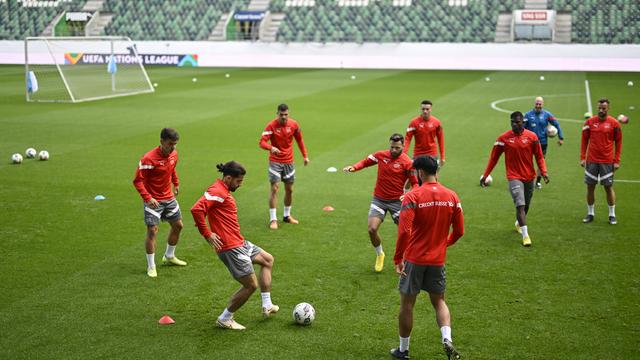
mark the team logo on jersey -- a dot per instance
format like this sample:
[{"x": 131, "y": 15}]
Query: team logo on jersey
[
  {"x": 386, "y": 161},
  {"x": 396, "y": 165},
  {"x": 277, "y": 131},
  {"x": 607, "y": 126},
  {"x": 161, "y": 162},
  {"x": 172, "y": 161},
  {"x": 421, "y": 125}
]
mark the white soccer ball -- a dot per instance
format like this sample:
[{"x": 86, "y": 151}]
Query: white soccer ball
[
  {"x": 353, "y": 77},
  {"x": 43, "y": 155},
  {"x": 630, "y": 83},
  {"x": 155, "y": 84},
  {"x": 30, "y": 153},
  {"x": 541, "y": 78},
  {"x": 488, "y": 180},
  {"x": 552, "y": 131},
  {"x": 227, "y": 75},
  {"x": 624, "y": 119},
  {"x": 304, "y": 314},
  {"x": 16, "y": 158},
  {"x": 487, "y": 79},
  {"x": 194, "y": 79}
]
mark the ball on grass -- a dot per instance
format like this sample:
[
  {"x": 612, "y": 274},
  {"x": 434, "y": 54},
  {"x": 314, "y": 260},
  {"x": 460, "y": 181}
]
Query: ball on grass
[
  {"x": 541, "y": 78},
  {"x": 194, "y": 79},
  {"x": 630, "y": 83},
  {"x": 227, "y": 76}
]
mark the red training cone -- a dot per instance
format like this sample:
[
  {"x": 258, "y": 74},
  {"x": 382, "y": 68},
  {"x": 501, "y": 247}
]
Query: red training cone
[
  {"x": 328, "y": 208},
  {"x": 166, "y": 320}
]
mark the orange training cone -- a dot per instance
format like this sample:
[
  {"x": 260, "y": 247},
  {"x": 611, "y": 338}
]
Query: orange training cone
[
  {"x": 328, "y": 208},
  {"x": 166, "y": 320}
]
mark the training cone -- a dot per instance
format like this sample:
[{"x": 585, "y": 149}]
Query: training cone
[
  {"x": 328, "y": 208},
  {"x": 166, "y": 320}
]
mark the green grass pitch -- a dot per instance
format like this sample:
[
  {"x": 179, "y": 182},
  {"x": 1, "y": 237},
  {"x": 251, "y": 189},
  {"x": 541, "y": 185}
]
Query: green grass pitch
[{"x": 74, "y": 282}]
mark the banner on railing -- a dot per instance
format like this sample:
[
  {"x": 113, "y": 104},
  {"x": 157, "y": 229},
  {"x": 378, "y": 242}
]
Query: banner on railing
[
  {"x": 248, "y": 16},
  {"x": 128, "y": 59},
  {"x": 534, "y": 17}
]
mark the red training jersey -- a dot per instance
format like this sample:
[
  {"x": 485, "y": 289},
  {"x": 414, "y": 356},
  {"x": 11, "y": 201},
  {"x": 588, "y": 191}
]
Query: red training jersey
[
  {"x": 392, "y": 173},
  {"x": 425, "y": 132},
  {"x": 425, "y": 219},
  {"x": 519, "y": 151},
  {"x": 281, "y": 136},
  {"x": 220, "y": 208},
  {"x": 156, "y": 172},
  {"x": 598, "y": 137}
]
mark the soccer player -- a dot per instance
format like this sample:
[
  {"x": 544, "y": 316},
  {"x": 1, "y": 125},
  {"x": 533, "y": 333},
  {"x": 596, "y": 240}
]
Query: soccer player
[
  {"x": 426, "y": 128},
  {"x": 427, "y": 214},
  {"x": 519, "y": 146},
  {"x": 600, "y": 158},
  {"x": 155, "y": 174},
  {"x": 394, "y": 169},
  {"x": 223, "y": 234},
  {"x": 537, "y": 120},
  {"x": 278, "y": 137}
]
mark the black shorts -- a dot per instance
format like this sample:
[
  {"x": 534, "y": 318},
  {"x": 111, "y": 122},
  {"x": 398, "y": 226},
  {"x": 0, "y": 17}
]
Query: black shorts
[{"x": 431, "y": 279}]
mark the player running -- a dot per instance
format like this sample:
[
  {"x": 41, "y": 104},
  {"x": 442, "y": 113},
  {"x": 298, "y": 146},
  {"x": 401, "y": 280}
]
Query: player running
[
  {"x": 155, "y": 174},
  {"x": 278, "y": 137},
  {"x": 394, "y": 169},
  {"x": 537, "y": 120},
  {"x": 426, "y": 128},
  {"x": 519, "y": 146},
  {"x": 599, "y": 157},
  {"x": 223, "y": 234},
  {"x": 427, "y": 214}
]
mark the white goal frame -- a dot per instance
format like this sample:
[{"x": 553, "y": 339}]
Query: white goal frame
[{"x": 55, "y": 61}]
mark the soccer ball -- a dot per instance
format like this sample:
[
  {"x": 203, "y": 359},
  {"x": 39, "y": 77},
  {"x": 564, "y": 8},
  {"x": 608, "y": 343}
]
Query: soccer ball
[
  {"x": 630, "y": 83},
  {"x": 30, "y": 153},
  {"x": 43, "y": 155},
  {"x": 552, "y": 131},
  {"x": 488, "y": 180},
  {"x": 304, "y": 314},
  {"x": 623, "y": 119},
  {"x": 16, "y": 158}
]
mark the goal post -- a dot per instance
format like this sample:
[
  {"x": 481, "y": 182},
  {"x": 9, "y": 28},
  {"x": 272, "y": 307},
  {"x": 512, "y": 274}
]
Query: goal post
[{"x": 76, "y": 69}]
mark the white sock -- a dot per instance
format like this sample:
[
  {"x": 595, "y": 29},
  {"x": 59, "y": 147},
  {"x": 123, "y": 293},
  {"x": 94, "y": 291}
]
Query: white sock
[
  {"x": 404, "y": 343},
  {"x": 446, "y": 333},
  {"x": 151, "y": 261},
  {"x": 287, "y": 211},
  {"x": 272, "y": 215},
  {"x": 226, "y": 315},
  {"x": 379, "y": 249},
  {"x": 266, "y": 300},
  {"x": 171, "y": 251},
  {"x": 525, "y": 233},
  {"x": 590, "y": 210},
  {"x": 612, "y": 210}
]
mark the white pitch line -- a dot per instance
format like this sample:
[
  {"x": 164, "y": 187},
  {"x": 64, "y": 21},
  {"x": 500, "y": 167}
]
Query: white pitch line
[
  {"x": 588, "y": 95},
  {"x": 494, "y": 105},
  {"x": 628, "y": 181}
]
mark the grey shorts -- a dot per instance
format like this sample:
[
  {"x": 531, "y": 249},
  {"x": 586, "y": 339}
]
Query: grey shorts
[
  {"x": 167, "y": 210},
  {"x": 432, "y": 279},
  {"x": 521, "y": 192},
  {"x": 380, "y": 207},
  {"x": 281, "y": 172},
  {"x": 239, "y": 260},
  {"x": 602, "y": 172}
]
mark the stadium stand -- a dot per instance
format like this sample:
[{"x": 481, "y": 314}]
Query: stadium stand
[
  {"x": 19, "y": 19},
  {"x": 167, "y": 20},
  {"x": 473, "y": 21}
]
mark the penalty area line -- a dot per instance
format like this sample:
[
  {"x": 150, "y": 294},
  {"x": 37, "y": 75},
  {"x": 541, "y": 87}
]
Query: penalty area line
[{"x": 494, "y": 104}]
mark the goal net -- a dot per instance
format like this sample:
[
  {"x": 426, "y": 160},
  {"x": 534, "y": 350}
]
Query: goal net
[{"x": 76, "y": 69}]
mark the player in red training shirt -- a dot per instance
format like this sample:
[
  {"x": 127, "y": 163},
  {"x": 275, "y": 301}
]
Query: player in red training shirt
[
  {"x": 600, "y": 158},
  {"x": 223, "y": 234},
  {"x": 426, "y": 128},
  {"x": 519, "y": 146},
  {"x": 278, "y": 137},
  {"x": 394, "y": 169},
  {"x": 154, "y": 177},
  {"x": 427, "y": 215}
]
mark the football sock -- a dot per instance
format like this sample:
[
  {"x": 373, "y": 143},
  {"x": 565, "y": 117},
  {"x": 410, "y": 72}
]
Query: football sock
[
  {"x": 379, "y": 249},
  {"x": 266, "y": 300},
  {"x": 226, "y": 315},
  {"x": 151, "y": 262},
  {"x": 525, "y": 233},
  {"x": 612, "y": 210},
  {"x": 287, "y": 211},
  {"x": 590, "y": 210},
  {"x": 446, "y": 333},
  {"x": 272, "y": 215},
  {"x": 171, "y": 251},
  {"x": 404, "y": 343},
  {"x": 538, "y": 179}
]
